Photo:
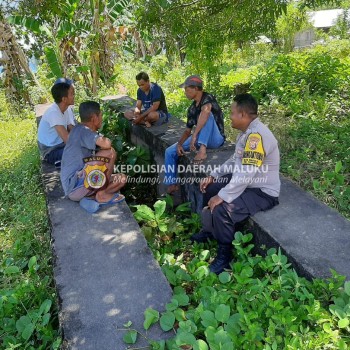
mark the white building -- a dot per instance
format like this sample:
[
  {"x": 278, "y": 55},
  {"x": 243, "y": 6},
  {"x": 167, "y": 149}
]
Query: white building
[{"x": 323, "y": 20}]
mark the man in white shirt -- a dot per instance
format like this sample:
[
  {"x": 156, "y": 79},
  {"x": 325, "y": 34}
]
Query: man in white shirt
[{"x": 57, "y": 122}]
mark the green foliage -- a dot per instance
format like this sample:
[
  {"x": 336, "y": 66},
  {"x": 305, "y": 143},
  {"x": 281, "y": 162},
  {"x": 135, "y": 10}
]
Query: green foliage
[
  {"x": 261, "y": 304},
  {"x": 335, "y": 183},
  {"x": 159, "y": 223},
  {"x": 291, "y": 77},
  {"x": 28, "y": 305},
  {"x": 305, "y": 100},
  {"x": 341, "y": 27},
  {"x": 117, "y": 128},
  {"x": 289, "y": 24},
  {"x": 194, "y": 27},
  {"x": 53, "y": 62}
]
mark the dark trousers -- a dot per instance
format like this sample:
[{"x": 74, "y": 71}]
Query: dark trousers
[
  {"x": 55, "y": 155},
  {"x": 226, "y": 215}
]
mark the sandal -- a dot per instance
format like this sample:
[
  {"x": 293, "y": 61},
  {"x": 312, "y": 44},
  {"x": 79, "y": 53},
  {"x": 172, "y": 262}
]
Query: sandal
[
  {"x": 117, "y": 198},
  {"x": 91, "y": 205},
  {"x": 199, "y": 161}
]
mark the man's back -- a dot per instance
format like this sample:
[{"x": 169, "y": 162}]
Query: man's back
[{"x": 81, "y": 143}]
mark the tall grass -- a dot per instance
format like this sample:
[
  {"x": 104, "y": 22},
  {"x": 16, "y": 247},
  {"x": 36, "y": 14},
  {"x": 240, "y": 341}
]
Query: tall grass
[{"x": 28, "y": 304}]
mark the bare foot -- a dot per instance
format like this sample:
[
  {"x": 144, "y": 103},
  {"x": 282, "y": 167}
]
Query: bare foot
[
  {"x": 119, "y": 178},
  {"x": 200, "y": 157},
  {"x": 129, "y": 115}
]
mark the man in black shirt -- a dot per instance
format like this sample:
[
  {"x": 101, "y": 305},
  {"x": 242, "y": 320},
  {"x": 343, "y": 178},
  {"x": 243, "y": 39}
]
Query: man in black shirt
[{"x": 204, "y": 113}]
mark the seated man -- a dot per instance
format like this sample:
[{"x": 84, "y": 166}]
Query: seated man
[
  {"x": 207, "y": 115},
  {"x": 151, "y": 107},
  {"x": 57, "y": 122},
  {"x": 88, "y": 162},
  {"x": 245, "y": 184}
]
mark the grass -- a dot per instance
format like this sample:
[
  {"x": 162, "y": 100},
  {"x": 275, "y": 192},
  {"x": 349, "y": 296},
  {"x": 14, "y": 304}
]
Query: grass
[{"x": 28, "y": 301}]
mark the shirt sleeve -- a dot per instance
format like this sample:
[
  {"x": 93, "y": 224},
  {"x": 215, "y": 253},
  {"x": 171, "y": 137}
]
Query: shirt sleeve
[
  {"x": 223, "y": 169},
  {"x": 71, "y": 118},
  {"x": 55, "y": 118},
  {"x": 139, "y": 94},
  {"x": 243, "y": 175},
  {"x": 207, "y": 99},
  {"x": 190, "y": 120},
  {"x": 156, "y": 93},
  {"x": 89, "y": 138}
]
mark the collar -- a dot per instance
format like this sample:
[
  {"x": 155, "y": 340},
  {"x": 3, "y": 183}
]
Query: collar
[{"x": 254, "y": 123}]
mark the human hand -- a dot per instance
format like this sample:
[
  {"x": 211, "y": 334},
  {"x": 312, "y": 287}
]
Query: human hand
[
  {"x": 205, "y": 182},
  {"x": 179, "y": 150},
  {"x": 214, "y": 201}
]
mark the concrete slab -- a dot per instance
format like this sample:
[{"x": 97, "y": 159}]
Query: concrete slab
[
  {"x": 315, "y": 237},
  {"x": 40, "y": 109},
  {"x": 105, "y": 273}
]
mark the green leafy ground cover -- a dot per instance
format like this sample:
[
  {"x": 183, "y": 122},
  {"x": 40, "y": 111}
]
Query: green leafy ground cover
[
  {"x": 304, "y": 98},
  {"x": 28, "y": 304},
  {"x": 261, "y": 304}
]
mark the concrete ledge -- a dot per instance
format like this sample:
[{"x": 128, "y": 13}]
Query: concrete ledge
[
  {"x": 104, "y": 271},
  {"x": 315, "y": 237}
]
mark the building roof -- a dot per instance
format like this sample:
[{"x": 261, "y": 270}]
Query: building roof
[{"x": 325, "y": 18}]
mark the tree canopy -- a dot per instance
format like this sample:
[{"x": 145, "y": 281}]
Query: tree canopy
[{"x": 86, "y": 37}]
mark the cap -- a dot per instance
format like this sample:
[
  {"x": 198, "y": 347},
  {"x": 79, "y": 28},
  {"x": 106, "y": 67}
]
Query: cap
[
  {"x": 192, "y": 80},
  {"x": 63, "y": 81}
]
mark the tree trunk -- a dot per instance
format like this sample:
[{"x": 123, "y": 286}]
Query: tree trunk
[{"x": 14, "y": 63}]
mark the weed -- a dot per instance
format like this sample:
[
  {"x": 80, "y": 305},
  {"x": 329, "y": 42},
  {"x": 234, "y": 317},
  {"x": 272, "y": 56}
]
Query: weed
[{"x": 28, "y": 304}]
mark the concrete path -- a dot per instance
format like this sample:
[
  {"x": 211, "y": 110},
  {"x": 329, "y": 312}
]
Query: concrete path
[{"x": 105, "y": 273}]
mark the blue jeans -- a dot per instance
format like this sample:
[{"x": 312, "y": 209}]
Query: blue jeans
[{"x": 209, "y": 136}]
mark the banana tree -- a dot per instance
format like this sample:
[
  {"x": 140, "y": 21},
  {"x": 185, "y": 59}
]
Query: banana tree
[
  {"x": 80, "y": 45},
  {"x": 14, "y": 62}
]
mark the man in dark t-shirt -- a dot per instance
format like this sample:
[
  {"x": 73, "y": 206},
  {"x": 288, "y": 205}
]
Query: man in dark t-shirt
[
  {"x": 204, "y": 113},
  {"x": 88, "y": 161},
  {"x": 151, "y": 107}
]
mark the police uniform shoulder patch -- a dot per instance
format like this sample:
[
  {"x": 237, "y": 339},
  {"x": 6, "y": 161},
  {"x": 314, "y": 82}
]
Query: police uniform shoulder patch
[
  {"x": 254, "y": 152},
  {"x": 95, "y": 176}
]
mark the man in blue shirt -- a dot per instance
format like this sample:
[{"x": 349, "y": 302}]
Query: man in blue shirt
[{"x": 151, "y": 107}]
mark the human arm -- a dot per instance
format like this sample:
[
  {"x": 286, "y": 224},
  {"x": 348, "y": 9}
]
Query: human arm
[
  {"x": 185, "y": 135},
  {"x": 138, "y": 108},
  {"x": 103, "y": 142},
  {"x": 143, "y": 115},
  {"x": 205, "y": 182},
  {"x": 62, "y": 132},
  {"x": 214, "y": 201},
  {"x": 250, "y": 156},
  {"x": 202, "y": 119}
]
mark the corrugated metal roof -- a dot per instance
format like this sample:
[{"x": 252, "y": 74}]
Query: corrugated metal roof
[{"x": 325, "y": 18}]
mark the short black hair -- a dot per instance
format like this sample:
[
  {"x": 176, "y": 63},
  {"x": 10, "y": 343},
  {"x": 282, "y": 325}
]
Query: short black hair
[
  {"x": 59, "y": 91},
  {"x": 247, "y": 102},
  {"x": 88, "y": 109},
  {"x": 142, "y": 76}
]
